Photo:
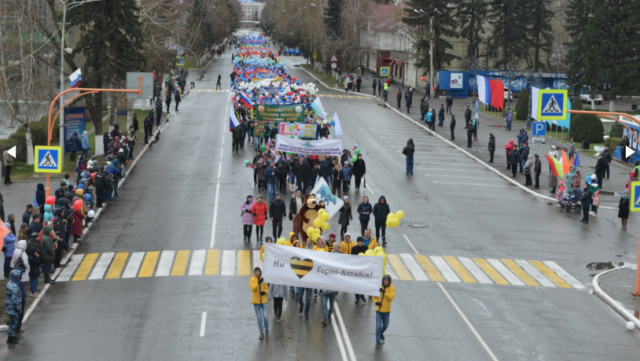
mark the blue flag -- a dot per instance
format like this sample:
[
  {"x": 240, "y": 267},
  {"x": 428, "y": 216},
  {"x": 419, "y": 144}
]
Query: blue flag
[{"x": 576, "y": 160}]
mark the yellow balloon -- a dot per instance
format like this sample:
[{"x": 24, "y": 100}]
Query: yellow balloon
[
  {"x": 317, "y": 222},
  {"x": 390, "y": 216},
  {"x": 325, "y": 226},
  {"x": 317, "y": 232},
  {"x": 395, "y": 223},
  {"x": 321, "y": 211},
  {"x": 400, "y": 214},
  {"x": 369, "y": 252},
  {"x": 388, "y": 223},
  {"x": 314, "y": 238},
  {"x": 325, "y": 217},
  {"x": 281, "y": 240},
  {"x": 378, "y": 250},
  {"x": 310, "y": 231},
  {"x": 361, "y": 254},
  {"x": 262, "y": 257}
]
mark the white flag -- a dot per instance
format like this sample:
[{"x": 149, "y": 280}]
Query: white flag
[
  {"x": 337, "y": 125},
  {"x": 332, "y": 204}
]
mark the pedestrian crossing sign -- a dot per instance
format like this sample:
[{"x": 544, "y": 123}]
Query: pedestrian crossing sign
[
  {"x": 384, "y": 71},
  {"x": 635, "y": 197},
  {"x": 48, "y": 159},
  {"x": 552, "y": 104}
]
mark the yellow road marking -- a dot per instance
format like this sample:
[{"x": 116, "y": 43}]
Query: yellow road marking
[
  {"x": 524, "y": 276},
  {"x": 550, "y": 274},
  {"x": 85, "y": 267},
  {"x": 244, "y": 263},
  {"x": 465, "y": 276},
  {"x": 399, "y": 267},
  {"x": 149, "y": 264},
  {"x": 213, "y": 262},
  {"x": 490, "y": 271},
  {"x": 428, "y": 267},
  {"x": 117, "y": 265},
  {"x": 180, "y": 264}
]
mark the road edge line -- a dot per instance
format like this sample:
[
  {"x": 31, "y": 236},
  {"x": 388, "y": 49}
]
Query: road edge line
[
  {"x": 609, "y": 300},
  {"x": 333, "y": 88}
]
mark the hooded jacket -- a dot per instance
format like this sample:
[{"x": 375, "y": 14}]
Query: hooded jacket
[
  {"x": 278, "y": 291},
  {"x": 10, "y": 243},
  {"x": 40, "y": 194},
  {"x": 21, "y": 252},
  {"x": 492, "y": 143},
  {"x": 258, "y": 287},
  {"x": 48, "y": 253},
  {"x": 34, "y": 263},
  {"x": 74, "y": 143},
  {"x": 508, "y": 148},
  {"x": 48, "y": 215},
  {"x": 13, "y": 294},
  {"x": 380, "y": 210},
  {"x": 386, "y": 296},
  {"x": 359, "y": 168},
  {"x": 85, "y": 142},
  {"x": 364, "y": 208},
  {"x": 347, "y": 246}
]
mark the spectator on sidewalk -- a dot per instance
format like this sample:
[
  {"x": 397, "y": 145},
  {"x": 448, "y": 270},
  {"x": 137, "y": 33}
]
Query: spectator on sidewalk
[
  {"x": 84, "y": 142},
  {"x": 449, "y": 103},
  {"x": 7, "y": 161},
  {"x": 537, "y": 168},
  {"x": 572, "y": 148},
  {"x": 40, "y": 196},
  {"x": 13, "y": 304},
  {"x": 509, "y": 119},
  {"x": 601, "y": 167},
  {"x": 441, "y": 115},
  {"x": 9, "y": 249},
  {"x": 399, "y": 97},
  {"x": 26, "y": 216},
  {"x": 624, "y": 209},
  {"x": 585, "y": 202},
  {"x": 492, "y": 146},
  {"x": 374, "y": 86},
  {"x": 452, "y": 126},
  {"x": 408, "y": 97},
  {"x": 467, "y": 115},
  {"x": 608, "y": 157}
]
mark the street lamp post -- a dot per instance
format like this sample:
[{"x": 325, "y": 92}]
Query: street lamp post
[
  {"x": 532, "y": 77},
  {"x": 65, "y": 7},
  {"x": 474, "y": 66}
]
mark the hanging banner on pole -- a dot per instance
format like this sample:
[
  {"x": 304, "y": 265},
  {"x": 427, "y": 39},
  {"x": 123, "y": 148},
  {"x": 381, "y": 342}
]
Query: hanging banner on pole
[
  {"x": 322, "y": 270},
  {"x": 332, "y": 204},
  {"x": 309, "y": 147}
]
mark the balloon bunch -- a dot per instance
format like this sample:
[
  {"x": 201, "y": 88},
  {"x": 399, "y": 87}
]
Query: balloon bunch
[
  {"x": 281, "y": 240},
  {"x": 393, "y": 220},
  {"x": 377, "y": 252},
  {"x": 321, "y": 221},
  {"x": 313, "y": 233},
  {"x": 355, "y": 157}
]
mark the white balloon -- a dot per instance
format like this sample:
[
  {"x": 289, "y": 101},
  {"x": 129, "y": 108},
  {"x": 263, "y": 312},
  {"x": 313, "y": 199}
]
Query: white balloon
[{"x": 631, "y": 325}]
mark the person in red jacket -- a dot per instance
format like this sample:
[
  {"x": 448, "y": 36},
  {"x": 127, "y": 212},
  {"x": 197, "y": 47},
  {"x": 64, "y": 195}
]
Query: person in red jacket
[
  {"x": 76, "y": 227},
  {"x": 260, "y": 212}
]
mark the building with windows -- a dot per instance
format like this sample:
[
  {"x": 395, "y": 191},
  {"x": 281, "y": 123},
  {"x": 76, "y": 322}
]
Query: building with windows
[{"x": 251, "y": 10}]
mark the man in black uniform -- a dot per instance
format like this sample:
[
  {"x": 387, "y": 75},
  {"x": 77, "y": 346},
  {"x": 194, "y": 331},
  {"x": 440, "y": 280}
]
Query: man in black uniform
[
  {"x": 158, "y": 111},
  {"x": 148, "y": 127}
]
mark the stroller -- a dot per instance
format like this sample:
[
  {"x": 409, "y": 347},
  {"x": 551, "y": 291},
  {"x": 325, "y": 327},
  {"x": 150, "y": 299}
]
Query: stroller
[{"x": 573, "y": 201}]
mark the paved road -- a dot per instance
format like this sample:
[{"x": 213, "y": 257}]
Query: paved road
[{"x": 169, "y": 204}]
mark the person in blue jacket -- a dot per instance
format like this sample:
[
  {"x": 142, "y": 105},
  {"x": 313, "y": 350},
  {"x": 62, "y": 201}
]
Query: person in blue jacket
[
  {"x": 364, "y": 210},
  {"x": 74, "y": 145},
  {"x": 116, "y": 171},
  {"x": 10, "y": 244},
  {"x": 346, "y": 180},
  {"x": 84, "y": 142}
]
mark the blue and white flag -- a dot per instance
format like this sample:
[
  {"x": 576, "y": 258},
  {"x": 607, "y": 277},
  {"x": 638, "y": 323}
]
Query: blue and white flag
[
  {"x": 337, "y": 125},
  {"x": 317, "y": 106}
]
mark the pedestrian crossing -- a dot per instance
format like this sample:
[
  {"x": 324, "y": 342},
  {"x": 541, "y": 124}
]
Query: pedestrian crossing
[{"x": 402, "y": 267}]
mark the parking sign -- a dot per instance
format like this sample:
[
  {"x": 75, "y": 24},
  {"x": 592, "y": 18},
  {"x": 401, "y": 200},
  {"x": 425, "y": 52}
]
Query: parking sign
[{"x": 539, "y": 129}]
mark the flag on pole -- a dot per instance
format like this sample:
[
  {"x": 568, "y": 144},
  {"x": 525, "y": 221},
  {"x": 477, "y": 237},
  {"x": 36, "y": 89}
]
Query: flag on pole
[
  {"x": 317, "y": 106},
  {"x": 558, "y": 167},
  {"x": 233, "y": 120},
  {"x": 576, "y": 160},
  {"x": 484, "y": 90},
  {"x": 552, "y": 166},
  {"x": 245, "y": 100},
  {"x": 338, "y": 126},
  {"x": 565, "y": 163},
  {"x": 497, "y": 93},
  {"x": 75, "y": 78}
]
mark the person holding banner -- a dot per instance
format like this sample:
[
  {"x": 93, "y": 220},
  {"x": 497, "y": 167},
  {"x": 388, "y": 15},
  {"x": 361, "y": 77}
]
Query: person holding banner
[
  {"x": 356, "y": 250},
  {"x": 259, "y": 299},
  {"x": 330, "y": 297},
  {"x": 383, "y": 307},
  {"x": 278, "y": 293}
]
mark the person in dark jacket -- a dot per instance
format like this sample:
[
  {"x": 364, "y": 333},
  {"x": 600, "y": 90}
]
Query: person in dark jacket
[
  {"x": 326, "y": 168},
  {"x": 283, "y": 171},
  {"x": 452, "y": 126},
  {"x": 441, "y": 115},
  {"x": 601, "y": 167},
  {"x": 408, "y": 152},
  {"x": 237, "y": 136},
  {"x": 346, "y": 216},
  {"x": 271, "y": 177},
  {"x": 359, "y": 170},
  {"x": 380, "y": 212},
  {"x": 295, "y": 204},
  {"x": 157, "y": 112},
  {"x": 374, "y": 86},
  {"x": 408, "y": 98},
  {"x": 101, "y": 187},
  {"x": 608, "y": 157},
  {"x": 59, "y": 228},
  {"x": 514, "y": 160},
  {"x": 48, "y": 254},
  {"x": 40, "y": 197},
  {"x": 314, "y": 174},
  {"x": 537, "y": 169},
  {"x": 524, "y": 155},
  {"x": 399, "y": 97},
  {"x": 585, "y": 202},
  {"x": 449, "y": 103},
  {"x": 167, "y": 101},
  {"x": 302, "y": 171},
  {"x": 148, "y": 128},
  {"x": 278, "y": 212},
  {"x": 624, "y": 209},
  {"x": 336, "y": 183},
  {"x": 364, "y": 210},
  {"x": 26, "y": 216},
  {"x": 34, "y": 270},
  {"x": 470, "y": 129},
  {"x": 492, "y": 146},
  {"x": 74, "y": 145},
  {"x": 178, "y": 99},
  {"x": 467, "y": 116},
  {"x": 356, "y": 250}
]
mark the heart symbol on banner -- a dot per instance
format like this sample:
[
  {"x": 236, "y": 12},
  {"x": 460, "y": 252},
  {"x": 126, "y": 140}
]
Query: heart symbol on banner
[{"x": 301, "y": 267}]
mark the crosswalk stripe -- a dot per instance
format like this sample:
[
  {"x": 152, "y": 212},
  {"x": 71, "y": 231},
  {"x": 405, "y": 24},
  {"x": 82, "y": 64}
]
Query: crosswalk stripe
[
  {"x": 533, "y": 272},
  {"x": 444, "y": 268},
  {"x": 389, "y": 270},
  {"x": 428, "y": 267},
  {"x": 257, "y": 262},
  {"x": 460, "y": 270},
  {"x": 397, "y": 265},
  {"x": 549, "y": 274},
  {"x": 413, "y": 266},
  {"x": 520, "y": 272},
  {"x": 475, "y": 271},
  {"x": 505, "y": 272},
  {"x": 228, "y": 263},
  {"x": 490, "y": 271},
  {"x": 180, "y": 265},
  {"x": 244, "y": 263},
  {"x": 164, "y": 265},
  {"x": 564, "y": 274},
  {"x": 70, "y": 268},
  {"x": 102, "y": 266},
  {"x": 149, "y": 264},
  {"x": 131, "y": 271},
  {"x": 197, "y": 262},
  {"x": 213, "y": 262},
  {"x": 117, "y": 265},
  {"x": 85, "y": 267}
]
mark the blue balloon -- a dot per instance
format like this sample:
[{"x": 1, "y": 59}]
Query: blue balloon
[{"x": 87, "y": 197}]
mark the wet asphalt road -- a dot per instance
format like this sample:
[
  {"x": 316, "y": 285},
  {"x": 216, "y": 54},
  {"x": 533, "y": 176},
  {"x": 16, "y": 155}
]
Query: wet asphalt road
[{"x": 168, "y": 204}]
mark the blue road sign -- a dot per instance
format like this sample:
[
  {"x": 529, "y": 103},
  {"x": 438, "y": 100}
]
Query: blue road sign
[
  {"x": 539, "y": 129},
  {"x": 476, "y": 106},
  {"x": 48, "y": 159},
  {"x": 552, "y": 104},
  {"x": 635, "y": 197}
]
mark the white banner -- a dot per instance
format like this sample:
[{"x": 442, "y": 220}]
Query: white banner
[
  {"x": 332, "y": 204},
  {"x": 457, "y": 80},
  {"x": 298, "y": 267},
  {"x": 309, "y": 147},
  {"x": 534, "y": 103}
]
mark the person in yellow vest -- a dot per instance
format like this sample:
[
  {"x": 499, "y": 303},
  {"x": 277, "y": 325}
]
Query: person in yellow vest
[
  {"x": 383, "y": 307},
  {"x": 320, "y": 246},
  {"x": 259, "y": 291},
  {"x": 347, "y": 244}
]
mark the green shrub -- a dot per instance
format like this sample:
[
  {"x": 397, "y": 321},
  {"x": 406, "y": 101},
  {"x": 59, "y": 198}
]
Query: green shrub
[
  {"x": 586, "y": 127},
  {"x": 522, "y": 107},
  {"x": 38, "y": 137},
  {"x": 576, "y": 104},
  {"x": 613, "y": 143},
  {"x": 616, "y": 130}
]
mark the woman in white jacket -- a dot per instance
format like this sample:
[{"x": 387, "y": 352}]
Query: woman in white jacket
[{"x": 21, "y": 253}]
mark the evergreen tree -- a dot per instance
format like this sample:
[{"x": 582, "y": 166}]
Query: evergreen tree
[
  {"x": 472, "y": 14},
  {"x": 578, "y": 54},
  {"x": 539, "y": 30},
  {"x": 522, "y": 108},
  {"x": 509, "y": 21},
  {"x": 576, "y": 103},
  {"x": 111, "y": 42},
  {"x": 417, "y": 15},
  {"x": 199, "y": 27},
  {"x": 332, "y": 18}
]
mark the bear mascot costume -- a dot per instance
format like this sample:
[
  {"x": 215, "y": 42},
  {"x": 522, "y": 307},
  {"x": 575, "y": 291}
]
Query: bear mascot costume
[{"x": 306, "y": 215}]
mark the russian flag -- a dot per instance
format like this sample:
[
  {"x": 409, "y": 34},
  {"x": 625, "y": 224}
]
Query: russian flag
[
  {"x": 233, "y": 120},
  {"x": 245, "y": 100},
  {"x": 491, "y": 92},
  {"x": 355, "y": 146},
  {"x": 75, "y": 78}
]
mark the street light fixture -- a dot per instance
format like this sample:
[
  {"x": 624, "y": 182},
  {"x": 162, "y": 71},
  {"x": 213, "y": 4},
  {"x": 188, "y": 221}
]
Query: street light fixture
[
  {"x": 65, "y": 7},
  {"x": 531, "y": 77}
]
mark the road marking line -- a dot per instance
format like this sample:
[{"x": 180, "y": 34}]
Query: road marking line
[
  {"x": 456, "y": 170},
  {"x": 180, "y": 265},
  {"x": 164, "y": 265},
  {"x": 70, "y": 268},
  {"x": 149, "y": 264},
  {"x": 389, "y": 270},
  {"x": 535, "y": 273},
  {"x": 564, "y": 274},
  {"x": 505, "y": 272},
  {"x": 102, "y": 266},
  {"x": 524, "y": 276},
  {"x": 456, "y": 176},
  {"x": 203, "y": 323},
  {"x": 464, "y": 318},
  {"x": 402, "y": 272},
  {"x": 347, "y": 340},
  {"x": 228, "y": 263},
  {"x": 411, "y": 244},
  {"x": 85, "y": 267},
  {"x": 244, "y": 263},
  {"x": 117, "y": 265},
  {"x": 431, "y": 270},
  {"x": 134, "y": 265},
  {"x": 215, "y": 209},
  {"x": 413, "y": 266},
  {"x": 339, "y": 337},
  {"x": 257, "y": 262},
  {"x": 370, "y": 189},
  {"x": 213, "y": 262},
  {"x": 444, "y": 269},
  {"x": 221, "y": 153},
  {"x": 197, "y": 262},
  {"x": 474, "y": 184},
  {"x": 475, "y": 271},
  {"x": 453, "y": 165},
  {"x": 549, "y": 274},
  {"x": 459, "y": 269},
  {"x": 490, "y": 271}
]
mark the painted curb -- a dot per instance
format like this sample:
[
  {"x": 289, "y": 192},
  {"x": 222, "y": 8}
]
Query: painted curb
[{"x": 610, "y": 301}]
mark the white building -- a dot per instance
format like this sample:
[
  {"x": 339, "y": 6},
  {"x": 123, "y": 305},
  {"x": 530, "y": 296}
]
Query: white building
[{"x": 251, "y": 10}]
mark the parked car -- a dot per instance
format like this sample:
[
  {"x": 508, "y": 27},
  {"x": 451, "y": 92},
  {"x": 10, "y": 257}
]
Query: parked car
[
  {"x": 586, "y": 98},
  {"x": 507, "y": 94}
]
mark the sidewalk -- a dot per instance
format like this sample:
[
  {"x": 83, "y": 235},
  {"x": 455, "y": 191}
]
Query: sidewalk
[{"x": 615, "y": 287}]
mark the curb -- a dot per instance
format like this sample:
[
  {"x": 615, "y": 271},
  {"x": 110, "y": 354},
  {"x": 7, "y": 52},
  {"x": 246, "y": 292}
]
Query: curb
[
  {"x": 610, "y": 301},
  {"x": 65, "y": 260}
]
